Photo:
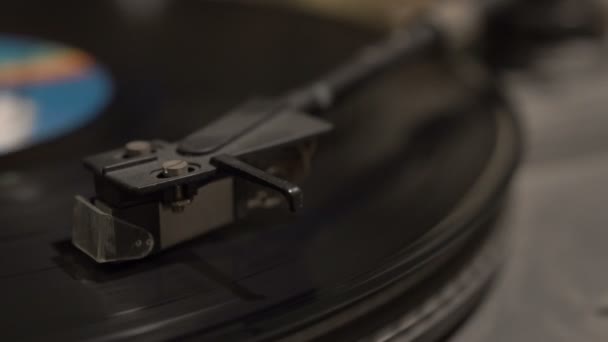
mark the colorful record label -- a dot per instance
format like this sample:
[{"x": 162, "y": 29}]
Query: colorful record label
[{"x": 46, "y": 90}]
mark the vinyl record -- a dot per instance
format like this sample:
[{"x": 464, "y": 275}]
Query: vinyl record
[{"x": 406, "y": 187}]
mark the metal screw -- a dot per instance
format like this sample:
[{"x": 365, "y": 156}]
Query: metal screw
[
  {"x": 180, "y": 206},
  {"x": 138, "y": 148},
  {"x": 175, "y": 168}
]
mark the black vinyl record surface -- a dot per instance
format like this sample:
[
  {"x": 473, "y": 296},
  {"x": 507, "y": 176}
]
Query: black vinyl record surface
[{"x": 412, "y": 174}]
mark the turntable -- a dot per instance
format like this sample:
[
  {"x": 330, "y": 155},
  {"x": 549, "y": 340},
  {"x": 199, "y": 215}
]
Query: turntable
[{"x": 251, "y": 171}]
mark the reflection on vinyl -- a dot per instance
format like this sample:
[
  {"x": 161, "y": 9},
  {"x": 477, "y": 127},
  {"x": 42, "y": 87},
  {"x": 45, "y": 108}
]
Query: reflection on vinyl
[{"x": 406, "y": 217}]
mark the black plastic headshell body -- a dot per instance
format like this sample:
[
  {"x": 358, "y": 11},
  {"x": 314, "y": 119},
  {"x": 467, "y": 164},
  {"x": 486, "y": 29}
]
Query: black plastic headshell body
[{"x": 153, "y": 195}]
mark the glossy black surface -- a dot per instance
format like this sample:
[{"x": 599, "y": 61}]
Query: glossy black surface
[{"x": 407, "y": 151}]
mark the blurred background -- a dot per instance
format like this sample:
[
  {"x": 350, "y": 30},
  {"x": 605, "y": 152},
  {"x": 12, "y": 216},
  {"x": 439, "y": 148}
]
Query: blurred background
[{"x": 554, "y": 287}]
